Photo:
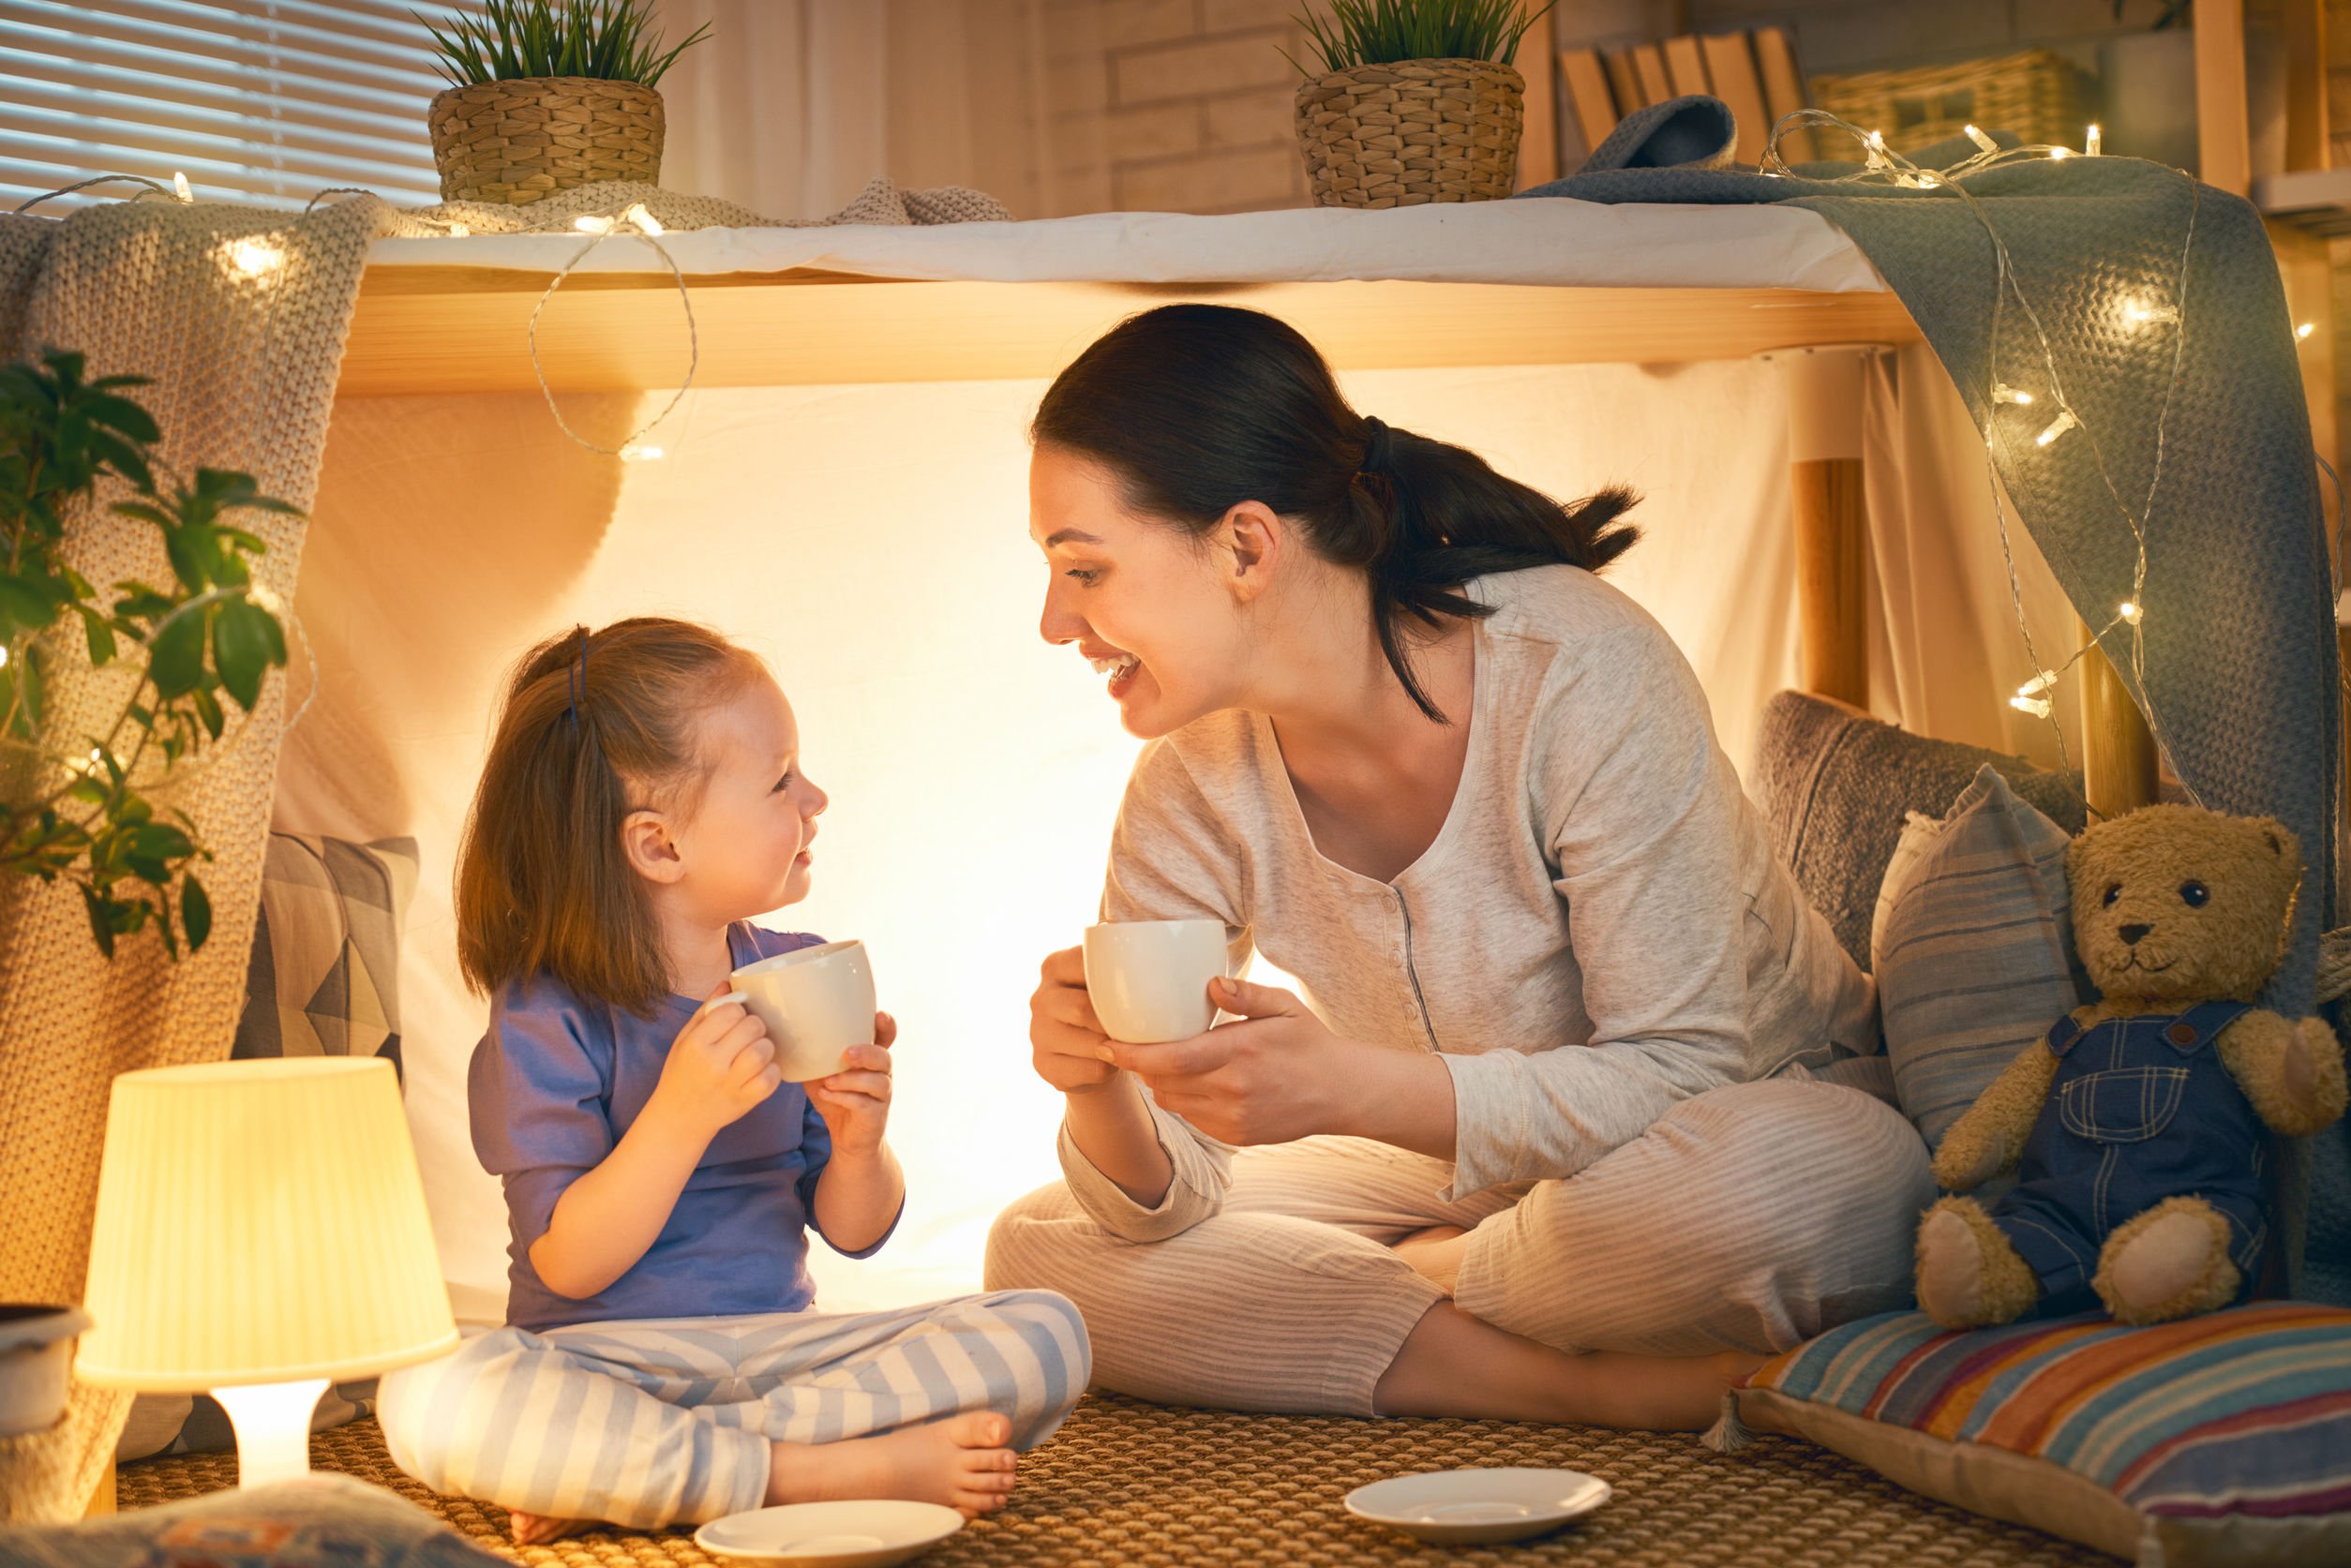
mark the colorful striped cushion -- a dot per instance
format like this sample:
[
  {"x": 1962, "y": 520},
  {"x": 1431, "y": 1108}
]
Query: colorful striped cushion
[{"x": 2220, "y": 1439}]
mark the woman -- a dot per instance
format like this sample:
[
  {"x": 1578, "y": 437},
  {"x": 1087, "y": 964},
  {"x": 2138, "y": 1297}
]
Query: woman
[{"x": 1549, "y": 1142}]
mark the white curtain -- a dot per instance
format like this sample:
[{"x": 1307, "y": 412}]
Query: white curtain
[
  {"x": 871, "y": 542},
  {"x": 793, "y": 105}
]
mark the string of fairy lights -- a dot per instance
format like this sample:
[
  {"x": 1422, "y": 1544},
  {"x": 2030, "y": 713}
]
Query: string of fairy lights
[
  {"x": 260, "y": 259},
  {"x": 1883, "y": 166}
]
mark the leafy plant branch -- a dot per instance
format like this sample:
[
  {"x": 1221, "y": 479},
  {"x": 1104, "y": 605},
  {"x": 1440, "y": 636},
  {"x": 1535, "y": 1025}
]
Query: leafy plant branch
[{"x": 84, "y": 812}]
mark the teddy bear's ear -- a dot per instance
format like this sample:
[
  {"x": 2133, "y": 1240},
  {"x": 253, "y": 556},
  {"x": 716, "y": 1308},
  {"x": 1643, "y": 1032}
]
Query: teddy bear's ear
[{"x": 2282, "y": 844}]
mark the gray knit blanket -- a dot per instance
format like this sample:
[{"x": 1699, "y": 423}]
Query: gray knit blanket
[{"x": 2240, "y": 677}]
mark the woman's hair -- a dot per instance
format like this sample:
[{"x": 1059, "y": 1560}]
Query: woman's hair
[
  {"x": 1197, "y": 408},
  {"x": 595, "y": 725}
]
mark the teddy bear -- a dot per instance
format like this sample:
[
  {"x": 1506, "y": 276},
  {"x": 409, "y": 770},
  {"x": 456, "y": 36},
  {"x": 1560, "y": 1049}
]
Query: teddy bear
[{"x": 2139, "y": 1124}]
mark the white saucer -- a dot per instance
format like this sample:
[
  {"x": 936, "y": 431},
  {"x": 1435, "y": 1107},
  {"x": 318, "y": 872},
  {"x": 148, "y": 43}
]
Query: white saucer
[
  {"x": 829, "y": 1534},
  {"x": 1456, "y": 1507}
]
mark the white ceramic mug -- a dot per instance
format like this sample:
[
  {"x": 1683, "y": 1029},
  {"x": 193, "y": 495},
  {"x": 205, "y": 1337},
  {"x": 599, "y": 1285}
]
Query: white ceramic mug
[
  {"x": 815, "y": 1003},
  {"x": 1149, "y": 978}
]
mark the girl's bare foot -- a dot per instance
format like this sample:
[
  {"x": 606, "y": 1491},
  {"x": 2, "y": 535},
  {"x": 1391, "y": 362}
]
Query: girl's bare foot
[
  {"x": 961, "y": 1461},
  {"x": 537, "y": 1530}
]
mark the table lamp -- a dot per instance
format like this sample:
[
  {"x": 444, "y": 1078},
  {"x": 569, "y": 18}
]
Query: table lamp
[{"x": 260, "y": 1233}]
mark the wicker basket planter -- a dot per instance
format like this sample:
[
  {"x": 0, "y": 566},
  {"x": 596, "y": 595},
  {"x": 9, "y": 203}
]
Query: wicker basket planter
[
  {"x": 1413, "y": 131},
  {"x": 2037, "y": 95},
  {"x": 522, "y": 141}
]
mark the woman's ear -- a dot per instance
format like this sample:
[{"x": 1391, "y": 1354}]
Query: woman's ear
[
  {"x": 1253, "y": 542},
  {"x": 651, "y": 853}
]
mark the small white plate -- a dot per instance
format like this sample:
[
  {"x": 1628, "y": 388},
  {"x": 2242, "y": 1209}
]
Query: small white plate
[
  {"x": 1457, "y": 1506},
  {"x": 829, "y": 1534}
]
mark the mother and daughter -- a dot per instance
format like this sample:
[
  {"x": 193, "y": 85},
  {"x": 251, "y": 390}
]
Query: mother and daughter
[{"x": 1553, "y": 1133}]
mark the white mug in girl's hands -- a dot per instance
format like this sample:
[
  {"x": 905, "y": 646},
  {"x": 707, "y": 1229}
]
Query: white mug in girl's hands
[
  {"x": 816, "y": 1003},
  {"x": 1149, "y": 978}
]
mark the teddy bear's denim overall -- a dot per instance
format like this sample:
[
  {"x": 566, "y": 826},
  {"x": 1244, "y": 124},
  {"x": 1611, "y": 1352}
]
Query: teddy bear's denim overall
[{"x": 2141, "y": 1109}]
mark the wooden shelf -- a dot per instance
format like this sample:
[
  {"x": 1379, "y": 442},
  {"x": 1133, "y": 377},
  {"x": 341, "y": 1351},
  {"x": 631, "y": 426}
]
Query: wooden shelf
[{"x": 463, "y": 330}]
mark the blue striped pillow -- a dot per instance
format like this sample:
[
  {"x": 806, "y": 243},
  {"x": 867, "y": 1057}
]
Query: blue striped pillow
[
  {"x": 2218, "y": 1439},
  {"x": 1972, "y": 948}
]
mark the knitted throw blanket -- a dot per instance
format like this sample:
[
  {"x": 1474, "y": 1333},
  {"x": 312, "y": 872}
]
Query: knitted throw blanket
[
  {"x": 2240, "y": 656},
  {"x": 244, "y": 371}
]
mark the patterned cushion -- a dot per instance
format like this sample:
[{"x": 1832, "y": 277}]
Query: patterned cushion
[
  {"x": 320, "y": 1522},
  {"x": 2221, "y": 1438},
  {"x": 1973, "y": 948},
  {"x": 326, "y": 952},
  {"x": 322, "y": 981},
  {"x": 1833, "y": 785}
]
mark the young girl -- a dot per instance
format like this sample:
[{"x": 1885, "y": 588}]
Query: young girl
[{"x": 662, "y": 1362}]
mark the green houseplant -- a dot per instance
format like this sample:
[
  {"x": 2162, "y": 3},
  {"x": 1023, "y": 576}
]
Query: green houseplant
[
  {"x": 90, "y": 808},
  {"x": 546, "y": 95},
  {"x": 1416, "y": 101}
]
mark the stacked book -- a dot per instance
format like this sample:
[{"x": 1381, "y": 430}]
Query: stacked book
[{"x": 1754, "y": 73}]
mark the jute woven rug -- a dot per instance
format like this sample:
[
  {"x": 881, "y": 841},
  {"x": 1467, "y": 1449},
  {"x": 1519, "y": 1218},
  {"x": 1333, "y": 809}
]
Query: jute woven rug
[{"x": 1129, "y": 1485}]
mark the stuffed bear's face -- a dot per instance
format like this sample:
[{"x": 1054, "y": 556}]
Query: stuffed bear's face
[{"x": 2175, "y": 903}]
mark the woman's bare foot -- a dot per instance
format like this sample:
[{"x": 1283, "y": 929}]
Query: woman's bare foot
[
  {"x": 1453, "y": 1364},
  {"x": 537, "y": 1530},
  {"x": 1435, "y": 1254},
  {"x": 961, "y": 1461}
]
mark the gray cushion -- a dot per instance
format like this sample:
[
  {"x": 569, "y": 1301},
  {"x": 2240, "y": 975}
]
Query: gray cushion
[{"x": 1833, "y": 785}]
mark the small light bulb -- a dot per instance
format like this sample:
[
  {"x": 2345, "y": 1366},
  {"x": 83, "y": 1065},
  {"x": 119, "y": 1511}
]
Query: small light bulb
[
  {"x": 266, "y": 597},
  {"x": 458, "y": 230},
  {"x": 589, "y": 223},
  {"x": 255, "y": 257},
  {"x": 2057, "y": 153},
  {"x": 2003, "y": 392},
  {"x": 645, "y": 222},
  {"x": 1928, "y": 182},
  {"x": 2037, "y": 706},
  {"x": 2304, "y": 329},
  {"x": 2091, "y": 142},
  {"x": 3, "y": 655},
  {"x": 2038, "y": 684},
  {"x": 2130, "y": 611},
  {"x": 180, "y": 186},
  {"x": 2057, "y": 427},
  {"x": 633, "y": 453},
  {"x": 1977, "y": 136},
  {"x": 2139, "y": 315}
]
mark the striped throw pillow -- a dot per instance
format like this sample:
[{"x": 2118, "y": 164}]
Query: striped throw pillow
[
  {"x": 2221, "y": 1439},
  {"x": 1972, "y": 948}
]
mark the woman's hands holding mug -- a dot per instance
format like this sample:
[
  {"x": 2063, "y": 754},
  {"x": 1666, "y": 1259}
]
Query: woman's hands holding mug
[
  {"x": 1065, "y": 1039},
  {"x": 1274, "y": 1075}
]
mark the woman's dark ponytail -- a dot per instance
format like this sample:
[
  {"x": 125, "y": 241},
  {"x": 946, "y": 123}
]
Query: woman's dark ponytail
[{"x": 1198, "y": 408}]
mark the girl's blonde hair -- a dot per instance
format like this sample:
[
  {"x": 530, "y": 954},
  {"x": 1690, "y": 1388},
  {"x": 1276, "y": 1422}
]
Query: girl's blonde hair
[{"x": 595, "y": 725}]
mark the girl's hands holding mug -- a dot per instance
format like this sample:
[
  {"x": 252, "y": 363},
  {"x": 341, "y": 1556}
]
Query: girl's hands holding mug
[
  {"x": 721, "y": 1065},
  {"x": 1066, "y": 1040},
  {"x": 855, "y": 1102}
]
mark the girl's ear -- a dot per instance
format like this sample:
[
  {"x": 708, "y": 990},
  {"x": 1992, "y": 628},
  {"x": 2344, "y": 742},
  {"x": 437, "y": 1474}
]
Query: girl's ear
[{"x": 651, "y": 853}]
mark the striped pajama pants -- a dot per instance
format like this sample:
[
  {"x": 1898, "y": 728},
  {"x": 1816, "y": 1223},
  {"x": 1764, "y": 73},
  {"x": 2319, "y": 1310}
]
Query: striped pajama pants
[
  {"x": 1752, "y": 1217},
  {"x": 669, "y": 1421}
]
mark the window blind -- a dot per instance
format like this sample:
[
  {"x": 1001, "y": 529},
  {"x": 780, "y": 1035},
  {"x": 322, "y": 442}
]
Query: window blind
[{"x": 260, "y": 101}]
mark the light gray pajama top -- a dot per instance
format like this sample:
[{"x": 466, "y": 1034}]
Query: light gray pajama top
[{"x": 1599, "y": 930}]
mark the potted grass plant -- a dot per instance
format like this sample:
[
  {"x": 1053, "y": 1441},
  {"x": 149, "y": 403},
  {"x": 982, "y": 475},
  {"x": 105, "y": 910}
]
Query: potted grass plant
[
  {"x": 1417, "y": 100},
  {"x": 547, "y": 95}
]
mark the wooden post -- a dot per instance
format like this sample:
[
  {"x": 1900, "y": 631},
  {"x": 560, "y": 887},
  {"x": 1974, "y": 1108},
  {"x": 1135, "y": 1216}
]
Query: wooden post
[
  {"x": 2223, "y": 152},
  {"x": 2307, "y": 143},
  {"x": 1824, "y": 476},
  {"x": 1538, "y": 140},
  {"x": 2119, "y": 763},
  {"x": 103, "y": 1501}
]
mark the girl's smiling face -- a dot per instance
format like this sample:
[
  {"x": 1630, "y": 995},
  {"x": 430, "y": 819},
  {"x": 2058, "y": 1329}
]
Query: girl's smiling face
[
  {"x": 1143, "y": 600},
  {"x": 744, "y": 847}
]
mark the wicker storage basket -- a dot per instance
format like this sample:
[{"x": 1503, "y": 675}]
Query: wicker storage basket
[
  {"x": 518, "y": 141},
  {"x": 1414, "y": 131},
  {"x": 2038, "y": 95}
]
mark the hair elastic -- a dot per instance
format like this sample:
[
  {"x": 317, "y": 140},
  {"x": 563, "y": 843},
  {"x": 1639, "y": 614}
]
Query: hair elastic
[
  {"x": 1375, "y": 445},
  {"x": 579, "y": 679}
]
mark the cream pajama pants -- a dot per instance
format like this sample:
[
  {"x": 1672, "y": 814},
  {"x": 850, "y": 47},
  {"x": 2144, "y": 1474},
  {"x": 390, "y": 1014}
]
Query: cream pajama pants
[
  {"x": 1750, "y": 1217},
  {"x": 659, "y": 1422}
]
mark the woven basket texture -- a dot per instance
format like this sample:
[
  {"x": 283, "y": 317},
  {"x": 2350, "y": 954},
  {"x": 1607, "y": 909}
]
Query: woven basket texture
[
  {"x": 1401, "y": 134},
  {"x": 522, "y": 141},
  {"x": 1130, "y": 1484},
  {"x": 2039, "y": 95}
]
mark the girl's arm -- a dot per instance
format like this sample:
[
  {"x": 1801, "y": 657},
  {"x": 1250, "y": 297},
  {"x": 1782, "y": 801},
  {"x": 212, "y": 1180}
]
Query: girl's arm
[
  {"x": 860, "y": 1189},
  {"x": 721, "y": 1065},
  {"x": 857, "y": 1199}
]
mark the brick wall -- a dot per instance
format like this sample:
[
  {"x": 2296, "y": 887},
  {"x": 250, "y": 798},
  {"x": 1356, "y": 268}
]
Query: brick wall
[{"x": 1174, "y": 105}]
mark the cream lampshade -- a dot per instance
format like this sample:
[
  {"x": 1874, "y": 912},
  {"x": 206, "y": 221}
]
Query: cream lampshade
[{"x": 260, "y": 1233}]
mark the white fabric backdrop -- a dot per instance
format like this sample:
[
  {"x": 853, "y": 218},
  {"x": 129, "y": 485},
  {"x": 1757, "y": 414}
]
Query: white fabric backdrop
[{"x": 871, "y": 542}]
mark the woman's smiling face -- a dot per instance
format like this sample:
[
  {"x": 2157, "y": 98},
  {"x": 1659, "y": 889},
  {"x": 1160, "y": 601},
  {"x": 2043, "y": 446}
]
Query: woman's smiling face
[{"x": 1142, "y": 599}]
